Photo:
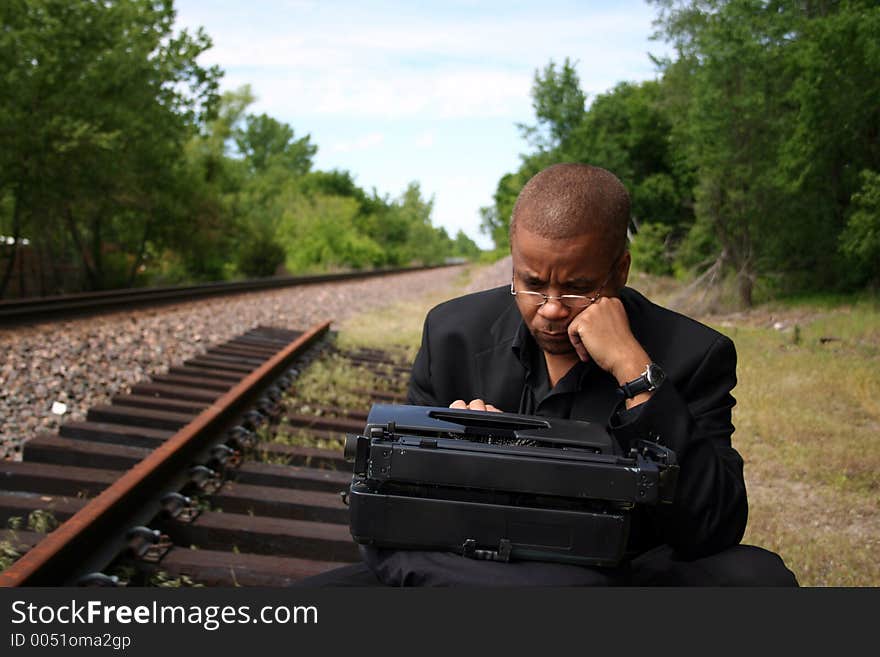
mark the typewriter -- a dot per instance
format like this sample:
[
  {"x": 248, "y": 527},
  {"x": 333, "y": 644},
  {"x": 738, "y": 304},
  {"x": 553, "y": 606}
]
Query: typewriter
[{"x": 500, "y": 486}]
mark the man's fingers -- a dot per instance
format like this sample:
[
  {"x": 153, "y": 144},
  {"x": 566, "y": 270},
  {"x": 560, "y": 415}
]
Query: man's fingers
[
  {"x": 578, "y": 345},
  {"x": 475, "y": 405}
]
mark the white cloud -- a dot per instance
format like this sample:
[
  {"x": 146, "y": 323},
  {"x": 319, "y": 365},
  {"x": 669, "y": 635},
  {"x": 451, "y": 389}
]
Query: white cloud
[
  {"x": 360, "y": 144},
  {"x": 371, "y": 62},
  {"x": 388, "y": 90},
  {"x": 445, "y": 94},
  {"x": 425, "y": 140}
]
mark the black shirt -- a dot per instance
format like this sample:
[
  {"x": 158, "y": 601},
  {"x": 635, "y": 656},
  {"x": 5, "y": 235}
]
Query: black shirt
[{"x": 540, "y": 398}]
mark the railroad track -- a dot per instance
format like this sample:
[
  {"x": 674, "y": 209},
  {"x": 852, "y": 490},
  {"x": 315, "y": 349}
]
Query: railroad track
[
  {"x": 22, "y": 311},
  {"x": 184, "y": 480}
]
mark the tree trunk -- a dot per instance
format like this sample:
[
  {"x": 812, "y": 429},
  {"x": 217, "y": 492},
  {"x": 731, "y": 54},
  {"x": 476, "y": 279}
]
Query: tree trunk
[
  {"x": 54, "y": 275},
  {"x": 40, "y": 268},
  {"x": 22, "y": 281},
  {"x": 77, "y": 241},
  {"x": 97, "y": 255},
  {"x": 140, "y": 254},
  {"x": 746, "y": 285},
  {"x": 16, "y": 235}
]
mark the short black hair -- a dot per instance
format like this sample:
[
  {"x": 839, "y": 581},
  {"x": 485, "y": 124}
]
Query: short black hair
[{"x": 571, "y": 199}]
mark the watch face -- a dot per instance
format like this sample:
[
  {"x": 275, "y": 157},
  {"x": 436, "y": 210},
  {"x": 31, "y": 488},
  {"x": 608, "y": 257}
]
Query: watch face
[{"x": 655, "y": 375}]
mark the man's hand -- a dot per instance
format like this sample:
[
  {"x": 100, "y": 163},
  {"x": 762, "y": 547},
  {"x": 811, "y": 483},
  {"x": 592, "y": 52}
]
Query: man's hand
[
  {"x": 602, "y": 332},
  {"x": 475, "y": 405}
]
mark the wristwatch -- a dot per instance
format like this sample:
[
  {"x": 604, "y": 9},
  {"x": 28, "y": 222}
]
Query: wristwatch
[{"x": 650, "y": 380}]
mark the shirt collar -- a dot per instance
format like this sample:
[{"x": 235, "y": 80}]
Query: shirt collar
[
  {"x": 527, "y": 352},
  {"x": 524, "y": 346}
]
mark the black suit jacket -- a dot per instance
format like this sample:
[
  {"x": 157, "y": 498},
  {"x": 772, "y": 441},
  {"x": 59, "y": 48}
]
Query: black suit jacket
[{"x": 466, "y": 354}]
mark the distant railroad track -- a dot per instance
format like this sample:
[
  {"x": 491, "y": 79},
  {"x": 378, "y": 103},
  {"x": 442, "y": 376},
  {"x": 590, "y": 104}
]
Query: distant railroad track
[
  {"x": 178, "y": 480},
  {"x": 22, "y": 311}
]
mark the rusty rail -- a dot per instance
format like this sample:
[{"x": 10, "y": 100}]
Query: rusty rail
[{"x": 58, "y": 558}]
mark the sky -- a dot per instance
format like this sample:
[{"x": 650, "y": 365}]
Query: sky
[{"x": 431, "y": 92}]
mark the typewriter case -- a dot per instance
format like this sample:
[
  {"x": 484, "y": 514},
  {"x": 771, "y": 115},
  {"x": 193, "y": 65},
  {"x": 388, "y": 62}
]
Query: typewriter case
[{"x": 499, "y": 486}]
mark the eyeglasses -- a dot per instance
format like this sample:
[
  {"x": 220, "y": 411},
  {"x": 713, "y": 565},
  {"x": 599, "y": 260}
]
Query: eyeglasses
[{"x": 571, "y": 301}]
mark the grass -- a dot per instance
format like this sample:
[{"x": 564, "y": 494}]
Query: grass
[
  {"x": 297, "y": 437},
  {"x": 38, "y": 520},
  {"x": 395, "y": 329},
  {"x": 807, "y": 422},
  {"x": 808, "y": 419},
  {"x": 333, "y": 381},
  {"x": 9, "y": 554},
  {"x": 164, "y": 580}
]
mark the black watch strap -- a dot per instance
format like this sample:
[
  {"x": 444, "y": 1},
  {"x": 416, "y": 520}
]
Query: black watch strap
[
  {"x": 650, "y": 379},
  {"x": 635, "y": 387}
]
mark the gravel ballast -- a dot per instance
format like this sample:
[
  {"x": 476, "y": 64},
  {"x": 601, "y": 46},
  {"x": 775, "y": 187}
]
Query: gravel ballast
[{"x": 84, "y": 362}]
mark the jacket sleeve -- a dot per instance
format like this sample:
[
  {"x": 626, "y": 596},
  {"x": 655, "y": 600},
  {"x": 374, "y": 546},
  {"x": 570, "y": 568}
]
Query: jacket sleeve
[
  {"x": 692, "y": 416},
  {"x": 420, "y": 391}
]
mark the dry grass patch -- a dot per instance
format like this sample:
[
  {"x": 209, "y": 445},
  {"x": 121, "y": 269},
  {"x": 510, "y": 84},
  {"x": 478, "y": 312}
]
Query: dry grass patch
[
  {"x": 398, "y": 326},
  {"x": 335, "y": 381},
  {"x": 827, "y": 537},
  {"x": 808, "y": 419}
]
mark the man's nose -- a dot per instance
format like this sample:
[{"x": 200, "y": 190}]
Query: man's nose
[{"x": 553, "y": 310}]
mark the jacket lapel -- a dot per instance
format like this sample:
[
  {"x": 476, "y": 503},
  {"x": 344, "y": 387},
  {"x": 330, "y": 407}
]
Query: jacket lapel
[{"x": 501, "y": 376}]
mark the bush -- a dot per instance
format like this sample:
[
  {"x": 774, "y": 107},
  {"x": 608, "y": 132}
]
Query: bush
[
  {"x": 260, "y": 257},
  {"x": 698, "y": 250},
  {"x": 860, "y": 240},
  {"x": 650, "y": 248}
]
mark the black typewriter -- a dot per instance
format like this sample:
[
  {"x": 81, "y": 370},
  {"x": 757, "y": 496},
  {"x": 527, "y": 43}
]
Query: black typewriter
[{"x": 500, "y": 486}]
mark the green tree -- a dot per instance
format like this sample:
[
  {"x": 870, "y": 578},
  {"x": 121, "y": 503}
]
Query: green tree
[
  {"x": 558, "y": 102},
  {"x": 215, "y": 209},
  {"x": 778, "y": 105},
  {"x": 97, "y": 102},
  {"x": 732, "y": 128},
  {"x": 266, "y": 142},
  {"x": 626, "y": 130},
  {"x": 833, "y": 135},
  {"x": 860, "y": 240},
  {"x": 465, "y": 247},
  {"x": 318, "y": 233}
]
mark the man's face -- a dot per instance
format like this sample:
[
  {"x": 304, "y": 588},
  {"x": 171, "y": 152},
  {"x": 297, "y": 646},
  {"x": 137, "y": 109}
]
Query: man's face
[{"x": 578, "y": 265}]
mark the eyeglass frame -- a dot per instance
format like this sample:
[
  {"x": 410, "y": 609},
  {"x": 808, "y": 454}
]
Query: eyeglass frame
[{"x": 561, "y": 298}]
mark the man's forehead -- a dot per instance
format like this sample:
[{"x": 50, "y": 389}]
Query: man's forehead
[
  {"x": 526, "y": 274},
  {"x": 566, "y": 269},
  {"x": 528, "y": 245},
  {"x": 580, "y": 258}
]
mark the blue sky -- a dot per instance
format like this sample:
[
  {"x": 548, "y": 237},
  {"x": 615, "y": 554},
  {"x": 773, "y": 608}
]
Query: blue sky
[{"x": 418, "y": 91}]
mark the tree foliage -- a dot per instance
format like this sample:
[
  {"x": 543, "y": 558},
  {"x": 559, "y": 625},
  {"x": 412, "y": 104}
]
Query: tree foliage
[
  {"x": 860, "y": 240},
  {"x": 558, "y": 102},
  {"x": 98, "y": 100},
  {"x": 121, "y": 164},
  {"x": 756, "y": 149}
]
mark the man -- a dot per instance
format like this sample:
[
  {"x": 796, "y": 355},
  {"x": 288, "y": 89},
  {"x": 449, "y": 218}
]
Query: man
[{"x": 567, "y": 339}]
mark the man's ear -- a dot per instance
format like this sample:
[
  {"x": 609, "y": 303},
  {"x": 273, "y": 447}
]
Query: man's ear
[{"x": 623, "y": 269}]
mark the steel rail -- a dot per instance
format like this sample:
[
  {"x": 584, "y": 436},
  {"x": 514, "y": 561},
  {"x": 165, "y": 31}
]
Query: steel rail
[
  {"x": 51, "y": 560},
  {"x": 19, "y": 311}
]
